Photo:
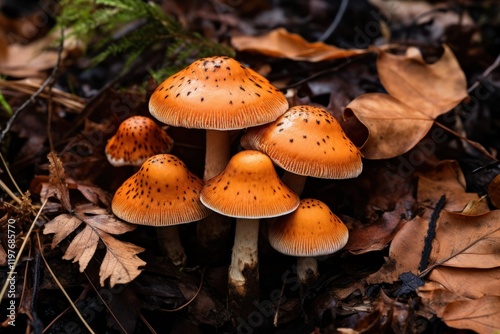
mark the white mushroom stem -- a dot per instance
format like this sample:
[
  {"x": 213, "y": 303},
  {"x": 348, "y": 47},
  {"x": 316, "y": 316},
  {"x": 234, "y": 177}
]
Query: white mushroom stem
[
  {"x": 217, "y": 153},
  {"x": 307, "y": 267},
  {"x": 294, "y": 181},
  {"x": 307, "y": 270},
  {"x": 214, "y": 228},
  {"x": 243, "y": 271},
  {"x": 171, "y": 244}
]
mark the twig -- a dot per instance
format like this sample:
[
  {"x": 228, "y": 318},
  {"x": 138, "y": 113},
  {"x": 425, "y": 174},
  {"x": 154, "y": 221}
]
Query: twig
[
  {"x": 276, "y": 314},
  {"x": 21, "y": 249},
  {"x": 487, "y": 72},
  {"x": 63, "y": 290},
  {"x": 192, "y": 299},
  {"x": 335, "y": 22},
  {"x": 49, "y": 81},
  {"x": 104, "y": 303},
  {"x": 431, "y": 233}
]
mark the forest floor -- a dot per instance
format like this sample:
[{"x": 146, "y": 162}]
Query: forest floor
[{"x": 415, "y": 85}]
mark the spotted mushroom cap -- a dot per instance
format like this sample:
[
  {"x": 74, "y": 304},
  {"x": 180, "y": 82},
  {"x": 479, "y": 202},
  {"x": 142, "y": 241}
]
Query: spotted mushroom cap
[
  {"x": 249, "y": 188},
  {"x": 137, "y": 139},
  {"x": 311, "y": 230},
  {"x": 217, "y": 93},
  {"x": 163, "y": 192},
  {"x": 307, "y": 140}
]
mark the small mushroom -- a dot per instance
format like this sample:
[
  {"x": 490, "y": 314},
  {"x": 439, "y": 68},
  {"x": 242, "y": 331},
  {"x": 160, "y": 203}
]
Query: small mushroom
[
  {"x": 137, "y": 139},
  {"x": 217, "y": 94},
  {"x": 311, "y": 230},
  {"x": 163, "y": 193},
  {"x": 306, "y": 141},
  {"x": 248, "y": 189}
]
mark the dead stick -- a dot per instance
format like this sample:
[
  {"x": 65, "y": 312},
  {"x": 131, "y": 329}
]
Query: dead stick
[{"x": 431, "y": 233}]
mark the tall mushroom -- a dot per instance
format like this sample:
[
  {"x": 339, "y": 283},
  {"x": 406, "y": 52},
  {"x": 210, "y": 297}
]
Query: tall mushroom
[
  {"x": 217, "y": 94},
  {"x": 306, "y": 141},
  {"x": 311, "y": 230},
  {"x": 248, "y": 189},
  {"x": 163, "y": 193},
  {"x": 137, "y": 139}
]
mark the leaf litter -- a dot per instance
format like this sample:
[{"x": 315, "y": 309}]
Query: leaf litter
[{"x": 409, "y": 266}]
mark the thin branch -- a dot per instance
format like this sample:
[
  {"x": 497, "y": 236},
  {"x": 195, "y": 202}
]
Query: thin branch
[
  {"x": 63, "y": 290},
  {"x": 335, "y": 22},
  {"x": 49, "y": 81},
  {"x": 487, "y": 72},
  {"x": 192, "y": 299}
]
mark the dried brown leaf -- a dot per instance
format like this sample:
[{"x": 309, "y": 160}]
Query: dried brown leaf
[
  {"x": 405, "y": 252},
  {"x": 3, "y": 256},
  {"x": 446, "y": 178},
  {"x": 418, "y": 93},
  {"x": 283, "y": 44},
  {"x": 432, "y": 88},
  {"x": 82, "y": 247},
  {"x": 494, "y": 191},
  {"x": 58, "y": 179},
  {"x": 121, "y": 263},
  {"x": 480, "y": 315},
  {"x": 62, "y": 225},
  {"x": 470, "y": 283},
  {"x": 93, "y": 194},
  {"x": 466, "y": 241},
  {"x": 393, "y": 127}
]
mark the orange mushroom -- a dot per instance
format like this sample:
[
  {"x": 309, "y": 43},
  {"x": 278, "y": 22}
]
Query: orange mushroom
[
  {"x": 217, "y": 94},
  {"x": 311, "y": 230},
  {"x": 163, "y": 193},
  {"x": 247, "y": 189},
  {"x": 306, "y": 141},
  {"x": 137, "y": 139}
]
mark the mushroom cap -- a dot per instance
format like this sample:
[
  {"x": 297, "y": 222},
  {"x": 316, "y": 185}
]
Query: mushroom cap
[
  {"x": 307, "y": 140},
  {"x": 163, "y": 192},
  {"x": 249, "y": 187},
  {"x": 137, "y": 139},
  {"x": 311, "y": 230},
  {"x": 217, "y": 93}
]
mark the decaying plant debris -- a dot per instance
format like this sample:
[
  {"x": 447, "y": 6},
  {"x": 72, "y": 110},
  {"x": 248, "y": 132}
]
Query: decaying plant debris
[{"x": 414, "y": 85}]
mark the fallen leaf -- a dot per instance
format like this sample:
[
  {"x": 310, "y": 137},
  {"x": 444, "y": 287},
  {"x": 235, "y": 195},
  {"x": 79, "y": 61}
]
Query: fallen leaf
[
  {"x": 446, "y": 178},
  {"x": 466, "y": 241},
  {"x": 376, "y": 236},
  {"x": 458, "y": 280},
  {"x": 393, "y": 127},
  {"x": 418, "y": 93},
  {"x": 3, "y": 256},
  {"x": 283, "y": 44},
  {"x": 120, "y": 263},
  {"x": 57, "y": 178},
  {"x": 32, "y": 59},
  {"x": 494, "y": 191},
  {"x": 405, "y": 252},
  {"x": 480, "y": 315},
  {"x": 431, "y": 88}
]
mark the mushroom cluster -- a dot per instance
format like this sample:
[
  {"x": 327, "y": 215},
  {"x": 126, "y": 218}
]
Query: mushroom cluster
[{"x": 220, "y": 94}]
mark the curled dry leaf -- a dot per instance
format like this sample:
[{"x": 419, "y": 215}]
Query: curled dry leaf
[
  {"x": 494, "y": 191},
  {"x": 446, "y": 178},
  {"x": 57, "y": 178},
  {"x": 120, "y": 263},
  {"x": 418, "y": 93},
  {"x": 283, "y": 44},
  {"x": 480, "y": 314},
  {"x": 405, "y": 252}
]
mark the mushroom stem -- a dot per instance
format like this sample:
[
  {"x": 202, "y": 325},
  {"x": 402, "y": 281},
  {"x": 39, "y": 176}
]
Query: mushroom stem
[
  {"x": 217, "y": 153},
  {"x": 294, "y": 181},
  {"x": 171, "y": 244},
  {"x": 243, "y": 271},
  {"x": 214, "y": 228},
  {"x": 307, "y": 270}
]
